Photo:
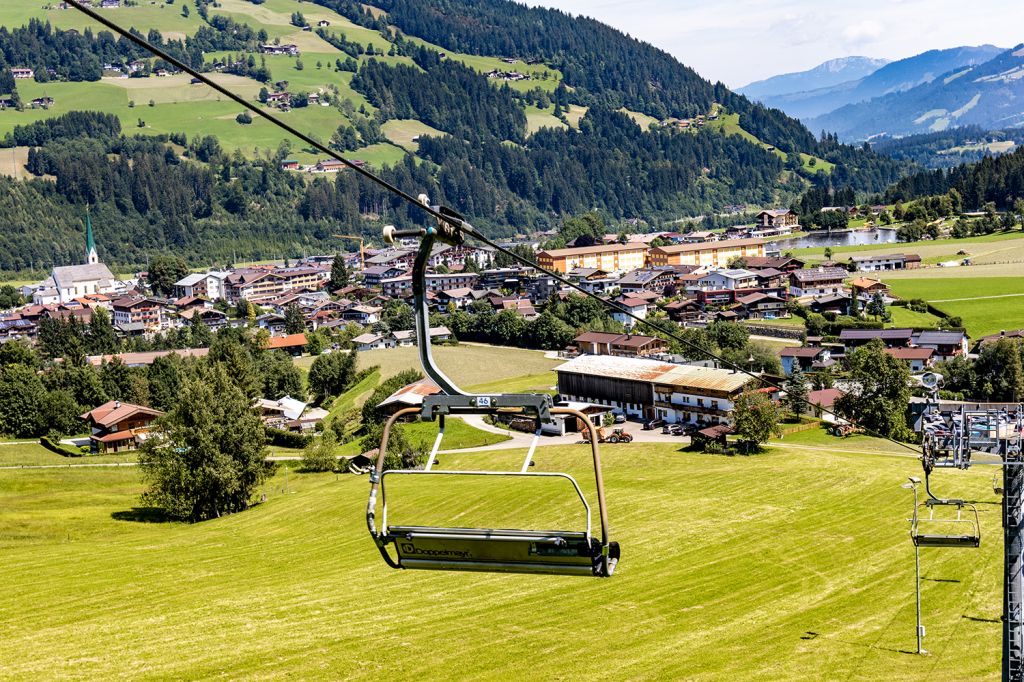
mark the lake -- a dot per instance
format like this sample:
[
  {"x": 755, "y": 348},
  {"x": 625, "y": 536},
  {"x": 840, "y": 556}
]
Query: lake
[{"x": 837, "y": 238}]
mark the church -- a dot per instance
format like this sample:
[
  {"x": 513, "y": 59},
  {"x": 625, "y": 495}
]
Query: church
[{"x": 69, "y": 282}]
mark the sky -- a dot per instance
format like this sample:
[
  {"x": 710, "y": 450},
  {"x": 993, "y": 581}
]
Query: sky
[{"x": 740, "y": 41}]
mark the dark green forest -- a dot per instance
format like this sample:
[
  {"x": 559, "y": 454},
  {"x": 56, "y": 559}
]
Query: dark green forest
[
  {"x": 999, "y": 180},
  {"x": 931, "y": 150}
]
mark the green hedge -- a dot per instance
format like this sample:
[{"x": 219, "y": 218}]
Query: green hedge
[
  {"x": 62, "y": 450},
  {"x": 287, "y": 439}
]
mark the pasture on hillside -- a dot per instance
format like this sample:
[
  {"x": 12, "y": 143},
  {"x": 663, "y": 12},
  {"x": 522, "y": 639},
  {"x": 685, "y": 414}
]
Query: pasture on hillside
[
  {"x": 466, "y": 364},
  {"x": 795, "y": 564}
]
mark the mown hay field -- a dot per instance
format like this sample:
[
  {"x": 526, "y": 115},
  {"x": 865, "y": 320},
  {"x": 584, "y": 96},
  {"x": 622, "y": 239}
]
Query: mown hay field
[{"x": 791, "y": 565}]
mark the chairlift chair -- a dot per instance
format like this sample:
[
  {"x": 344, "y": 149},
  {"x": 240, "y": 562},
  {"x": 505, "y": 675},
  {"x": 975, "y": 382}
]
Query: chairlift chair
[
  {"x": 562, "y": 552},
  {"x": 962, "y": 530}
]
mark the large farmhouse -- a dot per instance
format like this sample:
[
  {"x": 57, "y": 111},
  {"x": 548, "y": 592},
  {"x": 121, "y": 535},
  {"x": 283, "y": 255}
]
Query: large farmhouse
[{"x": 649, "y": 389}]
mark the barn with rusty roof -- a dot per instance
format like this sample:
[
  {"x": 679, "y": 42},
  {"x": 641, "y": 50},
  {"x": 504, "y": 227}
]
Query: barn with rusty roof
[{"x": 647, "y": 389}]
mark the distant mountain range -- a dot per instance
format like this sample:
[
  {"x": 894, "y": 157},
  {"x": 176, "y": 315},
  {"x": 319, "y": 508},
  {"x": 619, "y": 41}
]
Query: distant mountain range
[
  {"x": 819, "y": 107},
  {"x": 989, "y": 95},
  {"x": 829, "y": 74}
]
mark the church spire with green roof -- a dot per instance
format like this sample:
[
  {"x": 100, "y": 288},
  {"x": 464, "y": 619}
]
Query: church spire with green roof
[{"x": 90, "y": 244}]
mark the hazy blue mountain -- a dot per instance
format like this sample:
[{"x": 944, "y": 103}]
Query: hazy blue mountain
[
  {"x": 989, "y": 95},
  {"x": 829, "y": 74},
  {"x": 897, "y": 76}
]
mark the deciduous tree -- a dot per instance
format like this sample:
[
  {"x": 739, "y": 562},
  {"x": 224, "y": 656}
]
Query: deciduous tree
[
  {"x": 331, "y": 374},
  {"x": 319, "y": 454},
  {"x": 879, "y": 391},
  {"x": 756, "y": 416},
  {"x": 164, "y": 271}
]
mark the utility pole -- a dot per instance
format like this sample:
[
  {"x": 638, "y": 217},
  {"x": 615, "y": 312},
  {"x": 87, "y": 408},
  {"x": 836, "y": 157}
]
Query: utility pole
[{"x": 912, "y": 485}]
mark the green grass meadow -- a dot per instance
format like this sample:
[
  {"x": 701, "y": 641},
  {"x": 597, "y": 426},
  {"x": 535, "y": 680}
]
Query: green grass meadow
[
  {"x": 791, "y": 565},
  {"x": 986, "y": 304},
  {"x": 468, "y": 365}
]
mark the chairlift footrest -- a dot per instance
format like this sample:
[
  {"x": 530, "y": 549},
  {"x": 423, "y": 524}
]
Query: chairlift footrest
[{"x": 500, "y": 550}]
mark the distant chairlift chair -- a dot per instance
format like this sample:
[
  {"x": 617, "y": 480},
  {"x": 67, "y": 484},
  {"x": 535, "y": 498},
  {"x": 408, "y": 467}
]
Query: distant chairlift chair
[
  {"x": 961, "y": 530},
  {"x": 562, "y": 552}
]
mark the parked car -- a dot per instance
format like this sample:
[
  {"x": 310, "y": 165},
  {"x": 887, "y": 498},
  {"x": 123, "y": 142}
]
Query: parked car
[
  {"x": 653, "y": 424},
  {"x": 620, "y": 418},
  {"x": 676, "y": 429}
]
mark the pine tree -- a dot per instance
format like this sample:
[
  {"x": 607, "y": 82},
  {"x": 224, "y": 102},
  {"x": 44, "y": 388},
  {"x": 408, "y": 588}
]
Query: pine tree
[
  {"x": 796, "y": 391},
  {"x": 207, "y": 457},
  {"x": 294, "y": 320},
  {"x": 339, "y": 274},
  {"x": 101, "y": 339}
]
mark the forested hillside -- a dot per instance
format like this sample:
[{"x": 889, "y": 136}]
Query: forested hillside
[
  {"x": 413, "y": 92},
  {"x": 999, "y": 180},
  {"x": 950, "y": 148}
]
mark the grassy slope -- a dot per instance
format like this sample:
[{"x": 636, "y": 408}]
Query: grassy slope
[
  {"x": 642, "y": 120},
  {"x": 146, "y": 15},
  {"x": 465, "y": 364},
  {"x": 968, "y": 298},
  {"x": 457, "y": 435},
  {"x": 541, "y": 118},
  {"x": 905, "y": 317},
  {"x": 31, "y": 453},
  {"x": 729, "y": 124},
  {"x": 723, "y": 578},
  {"x": 12, "y": 162},
  {"x": 402, "y": 131}
]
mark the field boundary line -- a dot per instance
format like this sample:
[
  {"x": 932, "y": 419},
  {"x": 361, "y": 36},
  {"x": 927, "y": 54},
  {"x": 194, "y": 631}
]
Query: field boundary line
[{"x": 974, "y": 298}]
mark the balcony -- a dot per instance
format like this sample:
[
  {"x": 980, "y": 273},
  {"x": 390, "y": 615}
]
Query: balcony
[{"x": 696, "y": 409}]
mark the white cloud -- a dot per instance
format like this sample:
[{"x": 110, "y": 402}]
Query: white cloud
[{"x": 868, "y": 29}]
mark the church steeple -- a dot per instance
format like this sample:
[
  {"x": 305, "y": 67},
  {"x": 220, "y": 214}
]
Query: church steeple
[{"x": 91, "y": 257}]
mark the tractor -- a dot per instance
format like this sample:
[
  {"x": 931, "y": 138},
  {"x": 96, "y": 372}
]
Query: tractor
[{"x": 616, "y": 436}]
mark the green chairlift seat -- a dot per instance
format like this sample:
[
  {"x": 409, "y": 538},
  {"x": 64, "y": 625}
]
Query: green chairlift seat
[{"x": 961, "y": 530}]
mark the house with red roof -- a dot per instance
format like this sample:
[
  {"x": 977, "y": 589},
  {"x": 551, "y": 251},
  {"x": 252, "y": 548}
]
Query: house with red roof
[{"x": 293, "y": 344}]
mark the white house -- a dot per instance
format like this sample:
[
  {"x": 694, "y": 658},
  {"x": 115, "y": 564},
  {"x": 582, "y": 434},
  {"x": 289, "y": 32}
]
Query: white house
[
  {"x": 637, "y": 306},
  {"x": 208, "y": 285},
  {"x": 728, "y": 279},
  {"x": 371, "y": 341}
]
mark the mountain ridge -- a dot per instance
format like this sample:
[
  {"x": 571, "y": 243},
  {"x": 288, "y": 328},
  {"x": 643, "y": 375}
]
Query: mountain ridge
[
  {"x": 895, "y": 76},
  {"x": 989, "y": 95},
  {"x": 827, "y": 74}
]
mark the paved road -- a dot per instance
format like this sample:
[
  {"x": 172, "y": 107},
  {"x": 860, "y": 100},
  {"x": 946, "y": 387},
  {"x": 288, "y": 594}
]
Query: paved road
[{"x": 69, "y": 466}]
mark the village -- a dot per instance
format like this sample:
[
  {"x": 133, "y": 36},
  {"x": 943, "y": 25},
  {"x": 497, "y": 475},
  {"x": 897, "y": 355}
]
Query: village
[{"x": 692, "y": 279}]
